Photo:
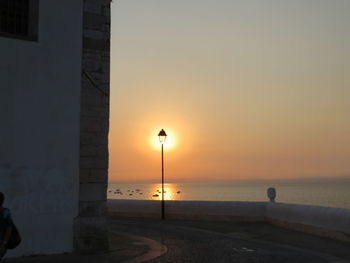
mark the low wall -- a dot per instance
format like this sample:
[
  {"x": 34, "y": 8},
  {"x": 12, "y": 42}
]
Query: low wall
[
  {"x": 323, "y": 221},
  {"x": 318, "y": 220},
  {"x": 190, "y": 210}
]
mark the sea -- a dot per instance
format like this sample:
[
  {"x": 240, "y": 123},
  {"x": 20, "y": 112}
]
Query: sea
[{"x": 332, "y": 193}]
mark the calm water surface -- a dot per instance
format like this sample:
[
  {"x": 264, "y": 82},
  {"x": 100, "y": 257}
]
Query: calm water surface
[{"x": 325, "y": 193}]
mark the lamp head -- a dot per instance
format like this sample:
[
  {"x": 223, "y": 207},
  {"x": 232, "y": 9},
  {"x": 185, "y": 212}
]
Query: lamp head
[{"x": 162, "y": 136}]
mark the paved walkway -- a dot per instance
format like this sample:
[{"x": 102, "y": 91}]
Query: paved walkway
[{"x": 155, "y": 241}]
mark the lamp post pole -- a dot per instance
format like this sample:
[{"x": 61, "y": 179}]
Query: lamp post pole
[
  {"x": 163, "y": 213},
  {"x": 162, "y": 137}
]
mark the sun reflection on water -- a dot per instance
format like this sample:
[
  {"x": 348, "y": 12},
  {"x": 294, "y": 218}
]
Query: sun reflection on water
[
  {"x": 144, "y": 191},
  {"x": 170, "y": 192}
]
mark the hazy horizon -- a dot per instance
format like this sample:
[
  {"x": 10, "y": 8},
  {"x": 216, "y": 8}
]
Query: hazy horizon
[
  {"x": 244, "y": 89},
  {"x": 337, "y": 179}
]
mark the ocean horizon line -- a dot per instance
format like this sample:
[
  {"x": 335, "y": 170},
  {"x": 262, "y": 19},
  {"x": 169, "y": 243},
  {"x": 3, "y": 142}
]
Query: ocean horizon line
[{"x": 308, "y": 179}]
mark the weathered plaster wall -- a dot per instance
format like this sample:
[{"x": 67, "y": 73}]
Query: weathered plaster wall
[
  {"x": 39, "y": 128},
  {"x": 91, "y": 224}
]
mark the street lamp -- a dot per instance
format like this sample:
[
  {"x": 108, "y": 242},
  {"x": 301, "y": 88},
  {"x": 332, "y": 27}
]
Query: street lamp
[{"x": 162, "y": 137}]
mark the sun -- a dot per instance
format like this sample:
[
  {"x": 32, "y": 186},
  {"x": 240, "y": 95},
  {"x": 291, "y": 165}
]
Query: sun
[{"x": 169, "y": 143}]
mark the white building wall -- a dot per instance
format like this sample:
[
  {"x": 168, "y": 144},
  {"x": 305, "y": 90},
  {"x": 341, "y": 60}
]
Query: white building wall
[{"x": 39, "y": 128}]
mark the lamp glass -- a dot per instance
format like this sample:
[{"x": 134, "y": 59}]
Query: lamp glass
[{"x": 162, "y": 136}]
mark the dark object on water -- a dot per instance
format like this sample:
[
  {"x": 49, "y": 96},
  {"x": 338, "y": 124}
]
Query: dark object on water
[
  {"x": 178, "y": 192},
  {"x": 155, "y": 195}
]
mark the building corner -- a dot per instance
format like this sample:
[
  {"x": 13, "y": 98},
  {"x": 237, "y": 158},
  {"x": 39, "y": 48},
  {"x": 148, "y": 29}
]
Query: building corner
[{"x": 90, "y": 226}]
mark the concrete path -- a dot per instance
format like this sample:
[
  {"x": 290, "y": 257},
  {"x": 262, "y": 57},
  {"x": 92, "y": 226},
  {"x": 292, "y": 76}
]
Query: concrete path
[
  {"x": 156, "y": 241},
  {"x": 154, "y": 249}
]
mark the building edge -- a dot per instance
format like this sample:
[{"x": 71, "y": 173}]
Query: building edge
[{"x": 90, "y": 226}]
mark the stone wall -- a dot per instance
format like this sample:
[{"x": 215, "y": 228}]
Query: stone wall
[{"x": 90, "y": 225}]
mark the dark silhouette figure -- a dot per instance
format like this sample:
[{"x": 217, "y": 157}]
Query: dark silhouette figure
[{"x": 5, "y": 226}]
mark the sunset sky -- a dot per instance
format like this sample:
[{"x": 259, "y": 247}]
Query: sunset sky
[{"x": 244, "y": 89}]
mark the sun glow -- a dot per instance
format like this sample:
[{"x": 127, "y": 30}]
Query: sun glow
[{"x": 169, "y": 143}]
